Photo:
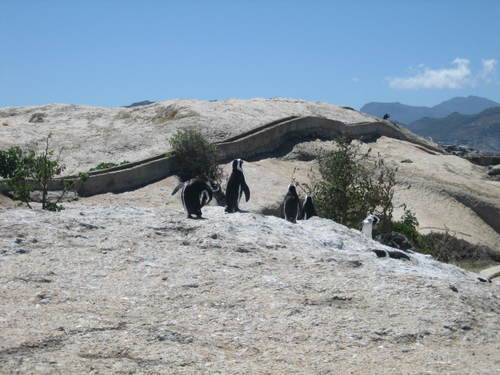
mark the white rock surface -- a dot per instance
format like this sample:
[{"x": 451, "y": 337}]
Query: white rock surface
[
  {"x": 129, "y": 289},
  {"x": 91, "y": 135}
]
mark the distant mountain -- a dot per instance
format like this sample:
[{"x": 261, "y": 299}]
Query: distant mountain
[
  {"x": 466, "y": 105},
  {"x": 138, "y": 104},
  {"x": 406, "y": 114},
  {"x": 480, "y": 131},
  {"x": 400, "y": 112}
]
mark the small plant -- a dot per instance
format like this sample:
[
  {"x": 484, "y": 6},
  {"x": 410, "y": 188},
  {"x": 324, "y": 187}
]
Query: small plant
[
  {"x": 409, "y": 218},
  {"x": 351, "y": 186},
  {"x": 194, "y": 156},
  {"x": 9, "y": 161},
  {"x": 28, "y": 171},
  {"x": 407, "y": 226},
  {"x": 107, "y": 165},
  {"x": 52, "y": 206},
  {"x": 83, "y": 176}
]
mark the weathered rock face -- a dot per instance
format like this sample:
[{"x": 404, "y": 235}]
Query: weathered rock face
[
  {"x": 120, "y": 288},
  {"x": 92, "y": 135}
]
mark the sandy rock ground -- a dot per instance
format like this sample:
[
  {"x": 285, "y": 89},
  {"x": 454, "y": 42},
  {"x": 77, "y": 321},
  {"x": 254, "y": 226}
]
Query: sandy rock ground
[{"x": 124, "y": 289}]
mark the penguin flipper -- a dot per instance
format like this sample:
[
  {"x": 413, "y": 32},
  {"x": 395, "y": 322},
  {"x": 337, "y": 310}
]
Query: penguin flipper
[
  {"x": 300, "y": 216},
  {"x": 178, "y": 187},
  {"x": 210, "y": 194},
  {"x": 246, "y": 190},
  {"x": 206, "y": 197}
]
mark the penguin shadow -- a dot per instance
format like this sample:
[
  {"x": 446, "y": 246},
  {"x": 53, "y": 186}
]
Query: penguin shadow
[
  {"x": 238, "y": 212},
  {"x": 197, "y": 218}
]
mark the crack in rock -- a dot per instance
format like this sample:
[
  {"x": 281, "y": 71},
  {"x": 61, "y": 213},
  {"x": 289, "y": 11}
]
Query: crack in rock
[{"x": 52, "y": 343}]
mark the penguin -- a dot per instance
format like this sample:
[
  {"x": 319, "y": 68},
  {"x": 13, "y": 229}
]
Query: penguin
[
  {"x": 236, "y": 186},
  {"x": 308, "y": 209},
  {"x": 368, "y": 225},
  {"x": 291, "y": 205},
  {"x": 195, "y": 194}
]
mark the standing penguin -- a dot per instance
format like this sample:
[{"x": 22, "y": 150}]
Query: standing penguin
[
  {"x": 236, "y": 186},
  {"x": 195, "y": 194},
  {"x": 368, "y": 225},
  {"x": 291, "y": 205},
  {"x": 308, "y": 209}
]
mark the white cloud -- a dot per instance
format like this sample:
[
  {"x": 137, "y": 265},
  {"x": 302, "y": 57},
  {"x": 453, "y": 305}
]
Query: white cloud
[
  {"x": 489, "y": 68},
  {"x": 355, "y": 79},
  {"x": 452, "y": 78}
]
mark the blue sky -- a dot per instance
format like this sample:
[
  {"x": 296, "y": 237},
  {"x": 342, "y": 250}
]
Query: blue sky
[{"x": 112, "y": 53}]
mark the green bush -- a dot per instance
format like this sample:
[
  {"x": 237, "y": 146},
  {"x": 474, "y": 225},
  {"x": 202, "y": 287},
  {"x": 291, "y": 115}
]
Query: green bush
[
  {"x": 10, "y": 160},
  {"x": 407, "y": 226},
  {"x": 28, "y": 171},
  {"x": 410, "y": 219},
  {"x": 83, "y": 176},
  {"x": 194, "y": 156},
  {"x": 352, "y": 186}
]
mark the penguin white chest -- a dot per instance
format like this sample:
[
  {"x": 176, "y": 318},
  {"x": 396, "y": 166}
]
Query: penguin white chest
[{"x": 367, "y": 228}]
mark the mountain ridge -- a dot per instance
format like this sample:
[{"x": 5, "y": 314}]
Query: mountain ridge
[
  {"x": 480, "y": 131},
  {"x": 406, "y": 114}
]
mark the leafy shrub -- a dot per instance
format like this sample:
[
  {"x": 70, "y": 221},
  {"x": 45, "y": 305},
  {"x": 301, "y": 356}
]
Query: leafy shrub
[
  {"x": 9, "y": 161},
  {"x": 351, "y": 186},
  {"x": 194, "y": 156},
  {"x": 27, "y": 171},
  {"x": 410, "y": 219}
]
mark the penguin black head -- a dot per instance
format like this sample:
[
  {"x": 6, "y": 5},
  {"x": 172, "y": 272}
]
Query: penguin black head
[
  {"x": 291, "y": 189},
  {"x": 371, "y": 219},
  {"x": 238, "y": 165}
]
